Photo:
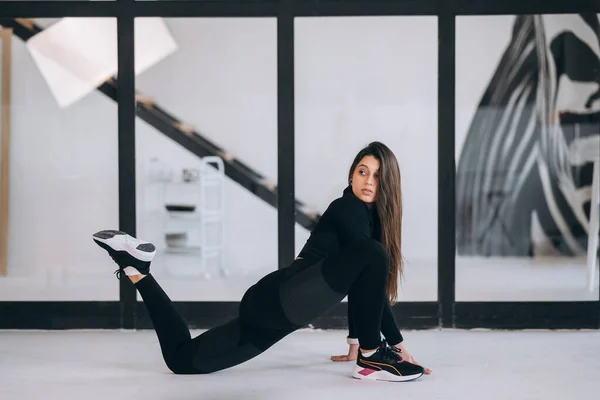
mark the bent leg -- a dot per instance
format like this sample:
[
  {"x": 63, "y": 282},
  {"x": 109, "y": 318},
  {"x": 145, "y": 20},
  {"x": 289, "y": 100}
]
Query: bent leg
[{"x": 360, "y": 270}]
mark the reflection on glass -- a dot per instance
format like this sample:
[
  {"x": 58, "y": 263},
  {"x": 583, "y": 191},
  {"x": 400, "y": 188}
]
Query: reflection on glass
[
  {"x": 364, "y": 79},
  {"x": 527, "y": 141},
  {"x": 215, "y": 81},
  {"x": 59, "y": 159}
]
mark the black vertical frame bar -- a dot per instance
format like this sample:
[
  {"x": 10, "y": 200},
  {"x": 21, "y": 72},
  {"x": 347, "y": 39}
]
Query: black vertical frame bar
[
  {"x": 126, "y": 112},
  {"x": 446, "y": 168},
  {"x": 285, "y": 135}
]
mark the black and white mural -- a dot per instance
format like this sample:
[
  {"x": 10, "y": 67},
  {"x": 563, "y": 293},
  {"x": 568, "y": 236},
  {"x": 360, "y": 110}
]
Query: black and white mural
[{"x": 525, "y": 170}]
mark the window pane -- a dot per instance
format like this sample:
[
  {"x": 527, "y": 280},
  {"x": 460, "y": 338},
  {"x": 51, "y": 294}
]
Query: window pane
[
  {"x": 213, "y": 80},
  {"x": 61, "y": 158},
  {"x": 527, "y": 139},
  {"x": 367, "y": 79}
]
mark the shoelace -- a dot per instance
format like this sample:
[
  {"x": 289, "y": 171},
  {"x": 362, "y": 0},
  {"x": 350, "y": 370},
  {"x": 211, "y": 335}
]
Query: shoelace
[
  {"x": 390, "y": 354},
  {"x": 118, "y": 271}
]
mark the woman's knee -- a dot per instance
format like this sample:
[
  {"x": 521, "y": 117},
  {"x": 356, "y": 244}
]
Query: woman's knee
[
  {"x": 179, "y": 360},
  {"x": 375, "y": 251},
  {"x": 180, "y": 367}
]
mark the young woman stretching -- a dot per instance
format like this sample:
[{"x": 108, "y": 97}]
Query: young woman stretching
[{"x": 354, "y": 251}]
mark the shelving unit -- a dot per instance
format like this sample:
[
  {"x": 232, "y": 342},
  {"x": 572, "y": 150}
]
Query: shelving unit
[{"x": 189, "y": 212}]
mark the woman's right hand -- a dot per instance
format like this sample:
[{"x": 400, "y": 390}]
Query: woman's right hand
[{"x": 351, "y": 356}]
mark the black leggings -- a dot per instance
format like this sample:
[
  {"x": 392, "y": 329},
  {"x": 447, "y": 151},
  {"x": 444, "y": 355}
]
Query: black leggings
[{"x": 277, "y": 305}]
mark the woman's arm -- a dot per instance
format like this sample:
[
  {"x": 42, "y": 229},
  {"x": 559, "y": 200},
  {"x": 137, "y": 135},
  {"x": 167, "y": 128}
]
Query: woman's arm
[
  {"x": 351, "y": 339},
  {"x": 352, "y": 333},
  {"x": 389, "y": 328}
]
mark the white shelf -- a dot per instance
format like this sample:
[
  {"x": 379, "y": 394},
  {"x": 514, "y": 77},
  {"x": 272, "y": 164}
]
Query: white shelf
[
  {"x": 184, "y": 250},
  {"x": 197, "y": 224}
]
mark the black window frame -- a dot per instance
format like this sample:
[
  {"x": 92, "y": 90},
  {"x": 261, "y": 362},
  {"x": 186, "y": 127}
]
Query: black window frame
[{"x": 446, "y": 312}]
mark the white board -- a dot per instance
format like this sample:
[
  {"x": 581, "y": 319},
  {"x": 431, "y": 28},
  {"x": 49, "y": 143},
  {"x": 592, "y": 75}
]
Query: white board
[{"x": 76, "y": 55}]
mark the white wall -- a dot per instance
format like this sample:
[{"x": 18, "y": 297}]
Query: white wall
[
  {"x": 223, "y": 80},
  {"x": 365, "y": 79},
  {"x": 63, "y": 175}
]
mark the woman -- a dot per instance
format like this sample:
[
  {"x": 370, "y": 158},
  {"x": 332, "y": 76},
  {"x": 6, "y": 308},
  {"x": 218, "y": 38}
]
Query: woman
[{"x": 350, "y": 252}]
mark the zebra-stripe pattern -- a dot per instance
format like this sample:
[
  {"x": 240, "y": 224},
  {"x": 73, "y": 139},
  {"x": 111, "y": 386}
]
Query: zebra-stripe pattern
[{"x": 523, "y": 167}]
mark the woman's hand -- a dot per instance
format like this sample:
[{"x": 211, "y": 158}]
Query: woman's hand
[
  {"x": 406, "y": 356},
  {"x": 352, "y": 354}
]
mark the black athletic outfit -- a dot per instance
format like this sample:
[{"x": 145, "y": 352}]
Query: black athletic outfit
[{"x": 343, "y": 256}]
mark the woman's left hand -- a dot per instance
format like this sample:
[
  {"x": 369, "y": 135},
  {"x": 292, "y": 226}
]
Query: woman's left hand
[
  {"x": 351, "y": 356},
  {"x": 406, "y": 356}
]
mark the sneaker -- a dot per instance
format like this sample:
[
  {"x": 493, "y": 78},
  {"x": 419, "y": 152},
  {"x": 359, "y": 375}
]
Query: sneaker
[
  {"x": 126, "y": 251},
  {"x": 386, "y": 365}
]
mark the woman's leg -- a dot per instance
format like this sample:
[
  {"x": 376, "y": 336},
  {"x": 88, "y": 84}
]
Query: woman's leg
[
  {"x": 170, "y": 327},
  {"x": 301, "y": 292},
  {"x": 360, "y": 270},
  {"x": 222, "y": 347},
  {"x": 290, "y": 298},
  {"x": 219, "y": 348}
]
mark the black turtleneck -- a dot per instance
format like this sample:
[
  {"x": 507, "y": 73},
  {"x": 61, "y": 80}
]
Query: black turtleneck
[{"x": 347, "y": 219}]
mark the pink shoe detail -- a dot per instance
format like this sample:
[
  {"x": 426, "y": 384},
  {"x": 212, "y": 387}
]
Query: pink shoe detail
[{"x": 366, "y": 371}]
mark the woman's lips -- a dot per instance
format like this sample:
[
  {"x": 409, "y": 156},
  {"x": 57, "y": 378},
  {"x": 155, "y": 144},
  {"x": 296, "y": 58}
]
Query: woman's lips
[{"x": 367, "y": 192}]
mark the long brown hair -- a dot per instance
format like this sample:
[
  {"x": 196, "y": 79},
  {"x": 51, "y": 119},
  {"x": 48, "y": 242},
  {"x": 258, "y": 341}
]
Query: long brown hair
[{"x": 389, "y": 209}]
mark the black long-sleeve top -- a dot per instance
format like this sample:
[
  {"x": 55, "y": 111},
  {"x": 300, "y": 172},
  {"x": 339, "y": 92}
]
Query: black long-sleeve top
[{"x": 348, "y": 219}]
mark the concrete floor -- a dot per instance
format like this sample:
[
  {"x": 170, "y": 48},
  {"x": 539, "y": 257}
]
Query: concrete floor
[{"x": 466, "y": 365}]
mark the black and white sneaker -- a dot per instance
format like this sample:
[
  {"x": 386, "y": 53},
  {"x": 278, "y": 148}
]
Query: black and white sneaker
[
  {"x": 386, "y": 365},
  {"x": 126, "y": 251}
]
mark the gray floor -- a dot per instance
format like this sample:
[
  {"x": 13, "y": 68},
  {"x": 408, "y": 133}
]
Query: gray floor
[{"x": 466, "y": 365}]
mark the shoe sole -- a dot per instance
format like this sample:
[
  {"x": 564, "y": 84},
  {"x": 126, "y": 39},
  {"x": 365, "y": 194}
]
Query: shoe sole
[
  {"x": 121, "y": 241},
  {"x": 374, "y": 375}
]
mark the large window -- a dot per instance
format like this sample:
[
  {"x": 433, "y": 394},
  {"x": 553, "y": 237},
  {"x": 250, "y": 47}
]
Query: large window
[
  {"x": 216, "y": 129},
  {"x": 61, "y": 178},
  {"x": 360, "y": 80},
  {"x": 208, "y": 105},
  {"x": 527, "y": 139}
]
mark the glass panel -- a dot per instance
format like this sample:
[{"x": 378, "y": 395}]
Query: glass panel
[
  {"x": 365, "y": 79},
  {"x": 213, "y": 80},
  {"x": 527, "y": 139},
  {"x": 60, "y": 168}
]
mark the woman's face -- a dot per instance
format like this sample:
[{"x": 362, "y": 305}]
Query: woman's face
[{"x": 365, "y": 179}]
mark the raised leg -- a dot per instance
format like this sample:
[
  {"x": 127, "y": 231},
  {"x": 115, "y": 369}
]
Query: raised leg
[{"x": 222, "y": 347}]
